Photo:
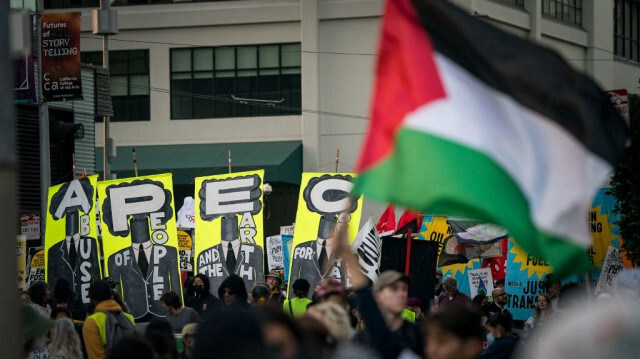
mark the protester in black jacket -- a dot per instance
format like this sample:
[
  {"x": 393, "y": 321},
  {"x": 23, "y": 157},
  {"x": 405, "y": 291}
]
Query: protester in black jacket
[
  {"x": 233, "y": 293},
  {"x": 203, "y": 302}
]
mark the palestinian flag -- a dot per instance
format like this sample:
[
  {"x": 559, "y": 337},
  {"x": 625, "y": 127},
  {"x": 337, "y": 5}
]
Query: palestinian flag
[{"x": 470, "y": 121}]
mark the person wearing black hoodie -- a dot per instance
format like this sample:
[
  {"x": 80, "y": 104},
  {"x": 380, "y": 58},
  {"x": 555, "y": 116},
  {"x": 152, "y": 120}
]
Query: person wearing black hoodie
[
  {"x": 233, "y": 293},
  {"x": 203, "y": 302}
]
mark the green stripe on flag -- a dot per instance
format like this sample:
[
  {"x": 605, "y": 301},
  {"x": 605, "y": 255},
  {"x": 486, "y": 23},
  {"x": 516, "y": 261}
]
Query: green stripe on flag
[{"x": 437, "y": 176}]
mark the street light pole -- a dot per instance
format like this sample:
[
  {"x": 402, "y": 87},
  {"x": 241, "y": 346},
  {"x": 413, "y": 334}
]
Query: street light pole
[
  {"x": 105, "y": 23},
  {"x": 43, "y": 114}
]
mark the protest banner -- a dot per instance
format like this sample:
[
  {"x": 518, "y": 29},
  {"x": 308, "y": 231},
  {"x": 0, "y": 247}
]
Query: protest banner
[
  {"x": 459, "y": 272},
  {"x": 60, "y": 52},
  {"x": 480, "y": 282},
  {"x": 603, "y": 225},
  {"x": 185, "y": 248},
  {"x": 368, "y": 246},
  {"x": 229, "y": 223},
  {"x": 21, "y": 251},
  {"x": 140, "y": 241},
  {"x": 612, "y": 266},
  {"x": 324, "y": 204},
  {"x": 35, "y": 266},
  {"x": 524, "y": 276},
  {"x": 72, "y": 252},
  {"x": 274, "y": 252}
]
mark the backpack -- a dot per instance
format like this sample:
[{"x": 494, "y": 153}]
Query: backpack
[{"x": 117, "y": 327}]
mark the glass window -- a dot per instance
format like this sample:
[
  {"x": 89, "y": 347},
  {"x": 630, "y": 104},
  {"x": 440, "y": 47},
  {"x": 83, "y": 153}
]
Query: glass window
[
  {"x": 626, "y": 34},
  {"x": 128, "y": 83},
  {"x": 257, "y": 72},
  {"x": 566, "y": 10}
]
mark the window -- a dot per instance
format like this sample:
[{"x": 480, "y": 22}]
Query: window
[
  {"x": 626, "y": 32},
  {"x": 129, "y": 82},
  {"x": 566, "y": 10},
  {"x": 515, "y": 2},
  {"x": 204, "y": 79}
]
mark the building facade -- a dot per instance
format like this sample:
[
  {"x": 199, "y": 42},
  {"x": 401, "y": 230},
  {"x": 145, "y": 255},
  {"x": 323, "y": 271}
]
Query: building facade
[{"x": 185, "y": 77}]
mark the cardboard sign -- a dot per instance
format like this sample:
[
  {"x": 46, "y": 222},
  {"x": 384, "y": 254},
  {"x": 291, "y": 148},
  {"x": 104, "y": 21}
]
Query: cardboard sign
[
  {"x": 274, "y": 252},
  {"x": 140, "y": 241},
  {"x": 35, "y": 266},
  {"x": 480, "y": 282},
  {"x": 72, "y": 252},
  {"x": 324, "y": 204},
  {"x": 21, "y": 252},
  {"x": 228, "y": 211},
  {"x": 185, "y": 246},
  {"x": 612, "y": 266}
]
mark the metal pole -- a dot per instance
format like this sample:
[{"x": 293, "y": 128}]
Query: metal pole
[
  {"x": 9, "y": 310},
  {"x": 43, "y": 110},
  {"x": 105, "y": 5}
]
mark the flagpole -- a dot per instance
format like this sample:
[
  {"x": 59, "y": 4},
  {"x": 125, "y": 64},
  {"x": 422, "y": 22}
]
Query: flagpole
[
  {"x": 229, "y": 161},
  {"x": 73, "y": 165},
  {"x": 135, "y": 163},
  {"x": 337, "y": 159},
  {"x": 407, "y": 263}
]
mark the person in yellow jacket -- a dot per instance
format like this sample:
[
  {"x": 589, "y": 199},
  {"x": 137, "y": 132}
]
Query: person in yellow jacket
[
  {"x": 297, "y": 306},
  {"x": 94, "y": 331}
]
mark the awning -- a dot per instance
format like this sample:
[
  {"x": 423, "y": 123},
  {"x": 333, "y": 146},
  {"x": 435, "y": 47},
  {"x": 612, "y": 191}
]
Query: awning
[{"x": 282, "y": 161}]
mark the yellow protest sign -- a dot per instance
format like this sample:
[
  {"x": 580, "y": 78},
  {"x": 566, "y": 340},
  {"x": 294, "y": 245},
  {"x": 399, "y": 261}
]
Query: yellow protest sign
[
  {"x": 324, "y": 204},
  {"x": 140, "y": 240},
  {"x": 21, "y": 251},
  {"x": 35, "y": 262},
  {"x": 72, "y": 252},
  {"x": 436, "y": 228},
  {"x": 185, "y": 247},
  {"x": 229, "y": 226}
]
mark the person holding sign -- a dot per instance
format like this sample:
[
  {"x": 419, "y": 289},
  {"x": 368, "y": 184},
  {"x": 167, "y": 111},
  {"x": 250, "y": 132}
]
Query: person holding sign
[
  {"x": 237, "y": 253},
  {"x": 315, "y": 260},
  {"x": 75, "y": 257},
  {"x": 147, "y": 268}
]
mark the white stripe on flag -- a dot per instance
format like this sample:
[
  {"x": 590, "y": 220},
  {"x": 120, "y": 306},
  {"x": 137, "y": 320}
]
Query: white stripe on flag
[{"x": 557, "y": 175}]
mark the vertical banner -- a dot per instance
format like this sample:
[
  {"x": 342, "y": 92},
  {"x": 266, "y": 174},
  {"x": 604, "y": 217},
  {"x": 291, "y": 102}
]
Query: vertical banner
[
  {"x": 21, "y": 260},
  {"x": 480, "y": 282},
  {"x": 228, "y": 211},
  {"x": 523, "y": 282},
  {"x": 72, "y": 253},
  {"x": 603, "y": 225},
  {"x": 60, "y": 51},
  {"x": 140, "y": 241},
  {"x": 274, "y": 252},
  {"x": 324, "y": 204},
  {"x": 185, "y": 249}
]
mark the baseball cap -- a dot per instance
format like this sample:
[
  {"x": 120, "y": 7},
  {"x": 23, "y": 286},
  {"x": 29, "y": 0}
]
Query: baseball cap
[{"x": 387, "y": 278}]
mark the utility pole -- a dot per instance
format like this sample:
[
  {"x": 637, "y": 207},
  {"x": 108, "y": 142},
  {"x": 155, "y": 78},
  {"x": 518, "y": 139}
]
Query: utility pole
[
  {"x": 43, "y": 110},
  {"x": 105, "y": 23}
]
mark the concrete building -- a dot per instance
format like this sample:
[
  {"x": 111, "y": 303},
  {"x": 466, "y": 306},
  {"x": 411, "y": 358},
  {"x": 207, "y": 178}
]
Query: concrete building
[{"x": 176, "y": 64}]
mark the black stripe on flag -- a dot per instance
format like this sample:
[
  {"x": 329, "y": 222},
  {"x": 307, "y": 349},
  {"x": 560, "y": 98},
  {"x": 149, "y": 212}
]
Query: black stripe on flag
[{"x": 536, "y": 77}]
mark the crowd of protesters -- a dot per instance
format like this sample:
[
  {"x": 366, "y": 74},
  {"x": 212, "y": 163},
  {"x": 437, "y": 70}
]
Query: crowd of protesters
[{"x": 370, "y": 320}]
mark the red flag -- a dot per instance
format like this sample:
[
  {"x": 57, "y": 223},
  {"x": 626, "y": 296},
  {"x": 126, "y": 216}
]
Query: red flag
[
  {"x": 407, "y": 217},
  {"x": 497, "y": 264},
  {"x": 387, "y": 222}
]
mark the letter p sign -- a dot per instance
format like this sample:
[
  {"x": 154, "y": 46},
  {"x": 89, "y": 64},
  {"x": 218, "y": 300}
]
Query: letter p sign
[{"x": 132, "y": 200}]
